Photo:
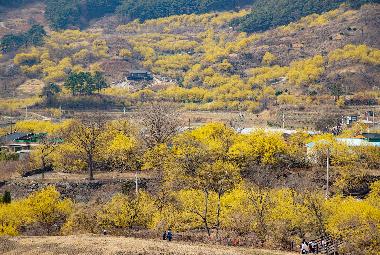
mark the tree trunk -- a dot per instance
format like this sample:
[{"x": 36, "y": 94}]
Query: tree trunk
[
  {"x": 136, "y": 184},
  {"x": 205, "y": 214},
  {"x": 218, "y": 216},
  {"x": 90, "y": 168},
  {"x": 43, "y": 167}
]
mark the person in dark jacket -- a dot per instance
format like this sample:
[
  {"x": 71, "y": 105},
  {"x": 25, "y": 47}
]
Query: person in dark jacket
[
  {"x": 164, "y": 236},
  {"x": 169, "y": 235}
]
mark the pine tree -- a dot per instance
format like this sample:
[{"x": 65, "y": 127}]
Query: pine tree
[{"x": 7, "y": 198}]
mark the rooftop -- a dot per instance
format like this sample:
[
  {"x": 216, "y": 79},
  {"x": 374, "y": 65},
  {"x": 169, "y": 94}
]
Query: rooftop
[
  {"x": 139, "y": 71},
  {"x": 11, "y": 137},
  {"x": 371, "y": 135},
  {"x": 352, "y": 142}
]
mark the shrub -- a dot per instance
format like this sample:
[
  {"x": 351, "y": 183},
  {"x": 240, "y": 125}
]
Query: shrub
[
  {"x": 42, "y": 207},
  {"x": 7, "y": 199}
]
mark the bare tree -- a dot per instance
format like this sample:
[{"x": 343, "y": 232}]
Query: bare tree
[
  {"x": 313, "y": 201},
  {"x": 261, "y": 201},
  {"x": 238, "y": 122},
  {"x": 46, "y": 147},
  {"x": 160, "y": 122},
  {"x": 87, "y": 135}
]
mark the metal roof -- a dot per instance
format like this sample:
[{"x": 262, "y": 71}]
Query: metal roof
[
  {"x": 371, "y": 135},
  {"x": 352, "y": 142},
  {"x": 246, "y": 131},
  {"x": 355, "y": 142},
  {"x": 140, "y": 71},
  {"x": 12, "y": 137}
]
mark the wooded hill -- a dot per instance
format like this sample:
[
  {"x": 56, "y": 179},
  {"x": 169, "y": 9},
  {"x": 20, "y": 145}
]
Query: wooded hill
[
  {"x": 201, "y": 62},
  {"x": 267, "y": 14}
]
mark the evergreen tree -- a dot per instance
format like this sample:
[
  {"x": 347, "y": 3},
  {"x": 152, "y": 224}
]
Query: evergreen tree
[
  {"x": 99, "y": 81},
  {"x": 62, "y": 13},
  {"x": 34, "y": 36},
  {"x": 50, "y": 91},
  {"x": 7, "y": 199},
  {"x": 84, "y": 83},
  {"x": 11, "y": 42}
]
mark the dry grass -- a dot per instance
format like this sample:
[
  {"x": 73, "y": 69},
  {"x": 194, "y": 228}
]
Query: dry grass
[
  {"x": 94, "y": 245},
  {"x": 8, "y": 170},
  {"x": 59, "y": 176},
  {"x": 31, "y": 87},
  {"x": 18, "y": 103}
]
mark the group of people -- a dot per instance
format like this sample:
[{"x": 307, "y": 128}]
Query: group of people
[
  {"x": 167, "y": 235},
  {"x": 309, "y": 247}
]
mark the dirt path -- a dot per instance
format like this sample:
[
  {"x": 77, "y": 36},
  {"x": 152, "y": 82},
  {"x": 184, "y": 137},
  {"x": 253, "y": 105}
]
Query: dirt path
[{"x": 99, "y": 245}]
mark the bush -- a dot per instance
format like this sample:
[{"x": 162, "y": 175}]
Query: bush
[
  {"x": 42, "y": 207},
  {"x": 8, "y": 156},
  {"x": 124, "y": 212},
  {"x": 7, "y": 198}
]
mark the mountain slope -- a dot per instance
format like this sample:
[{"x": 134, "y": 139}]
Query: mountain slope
[{"x": 200, "y": 62}]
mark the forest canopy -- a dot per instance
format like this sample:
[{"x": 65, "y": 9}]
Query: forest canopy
[
  {"x": 152, "y": 9},
  {"x": 268, "y": 14},
  {"x": 13, "y": 3},
  {"x": 65, "y": 13},
  {"x": 33, "y": 37}
]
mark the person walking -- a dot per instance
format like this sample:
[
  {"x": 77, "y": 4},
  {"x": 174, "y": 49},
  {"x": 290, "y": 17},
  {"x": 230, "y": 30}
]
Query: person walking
[
  {"x": 164, "y": 236},
  {"x": 311, "y": 247},
  {"x": 314, "y": 246},
  {"x": 169, "y": 235},
  {"x": 304, "y": 247}
]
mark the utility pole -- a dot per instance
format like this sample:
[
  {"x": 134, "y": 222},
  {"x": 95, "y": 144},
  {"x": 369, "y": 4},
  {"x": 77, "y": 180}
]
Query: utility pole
[
  {"x": 327, "y": 173},
  {"x": 373, "y": 117},
  {"x": 26, "y": 112},
  {"x": 283, "y": 121}
]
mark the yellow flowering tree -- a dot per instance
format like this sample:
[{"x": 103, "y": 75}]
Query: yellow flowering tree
[{"x": 44, "y": 207}]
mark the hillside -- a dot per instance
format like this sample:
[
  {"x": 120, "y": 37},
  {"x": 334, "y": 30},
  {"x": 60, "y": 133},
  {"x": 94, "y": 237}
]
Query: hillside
[
  {"x": 232, "y": 126},
  {"x": 202, "y": 63},
  {"x": 16, "y": 20},
  {"x": 268, "y": 14},
  {"x": 93, "y": 244}
]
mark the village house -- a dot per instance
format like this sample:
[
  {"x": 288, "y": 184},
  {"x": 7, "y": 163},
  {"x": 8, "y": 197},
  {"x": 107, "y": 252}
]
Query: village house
[
  {"x": 365, "y": 139},
  {"x": 20, "y": 143},
  {"x": 138, "y": 75}
]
